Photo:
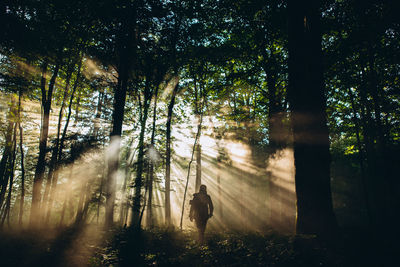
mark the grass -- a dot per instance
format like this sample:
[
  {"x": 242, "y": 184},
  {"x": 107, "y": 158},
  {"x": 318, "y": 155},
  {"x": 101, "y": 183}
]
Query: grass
[{"x": 91, "y": 246}]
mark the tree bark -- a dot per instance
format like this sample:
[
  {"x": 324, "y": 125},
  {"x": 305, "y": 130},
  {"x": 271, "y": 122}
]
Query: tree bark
[
  {"x": 139, "y": 170},
  {"x": 66, "y": 198},
  {"x": 6, "y": 212},
  {"x": 21, "y": 141},
  {"x": 52, "y": 177},
  {"x": 308, "y": 117},
  {"x": 361, "y": 157},
  {"x": 168, "y": 157},
  {"x": 40, "y": 166},
  {"x": 151, "y": 167},
  {"x": 190, "y": 163},
  {"x": 198, "y": 167},
  {"x": 7, "y": 153},
  {"x": 113, "y": 160}
]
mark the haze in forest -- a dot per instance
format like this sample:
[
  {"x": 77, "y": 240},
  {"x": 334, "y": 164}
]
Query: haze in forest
[{"x": 113, "y": 114}]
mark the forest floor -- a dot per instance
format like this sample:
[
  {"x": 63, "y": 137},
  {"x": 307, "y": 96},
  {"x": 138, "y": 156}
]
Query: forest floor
[{"x": 91, "y": 246}]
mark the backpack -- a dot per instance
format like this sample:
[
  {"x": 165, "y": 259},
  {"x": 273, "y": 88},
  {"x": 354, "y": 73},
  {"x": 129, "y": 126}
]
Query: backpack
[{"x": 200, "y": 206}]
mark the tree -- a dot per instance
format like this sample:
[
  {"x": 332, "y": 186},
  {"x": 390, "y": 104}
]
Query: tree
[
  {"x": 36, "y": 213},
  {"x": 308, "y": 117}
]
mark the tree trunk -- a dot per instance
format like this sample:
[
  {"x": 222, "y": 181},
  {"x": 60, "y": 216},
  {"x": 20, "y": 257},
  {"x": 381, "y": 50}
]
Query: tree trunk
[
  {"x": 66, "y": 198},
  {"x": 190, "y": 163},
  {"x": 100, "y": 196},
  {"x": 198, "y": 167},
  {"x": 139, "y": 171},
  {"x": 6, "y": 213},
  {"x": 77, "y": 106},
  {"x": 113, "y": 160},
  {"x": 124, "y": 198},
  {"x": 168, "y": 157},
  {"x": 83, "y": 202},
  {"x": 96, "y": 122},
  {"x": 7, "y": 153},
  {"x": 52, "y": 177},
  {"x": 361, "y": 157},
  {"x": 151, "y": 166},
  {"x": 21, "y": 141},
  {"x": 308, "y": 117},
  {"x": 88, "y": 197},
  {"x": 40, "y": 166}
]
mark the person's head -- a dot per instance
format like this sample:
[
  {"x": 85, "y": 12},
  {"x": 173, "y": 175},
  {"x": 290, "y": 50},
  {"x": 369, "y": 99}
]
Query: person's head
[{"x": 203, "y": 189}]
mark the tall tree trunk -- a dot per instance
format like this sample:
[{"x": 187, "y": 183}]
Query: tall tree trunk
[
  {"x": 62, "y": 139},
  {"x": 100, "y": 196},
  {"x": 380, "y": 186},
  {"x": 124, "y": 198},
  {"x": 361, "y": 157},
  {"x": 51, "y": 181},
  {"x": 88, "y": 197},
  {"x": 77, "y": 106},
  {"x": 98, "y": 114},
  {"x": 220, "y": 161},
  {"x": 40, "y": 166},
  {"x": 7, "y": 153},
  {"x": 21, "y": 141},
  {"x": 113, "y": 160},
  {"x": 198, "y": 167},
  {"x": 6, "y": 213},
  {"x": 308, "y": 117},
  {"x": 168, "y": 156},
  {"x": 83, "y": 202},
  {"x": 146, "y": 189},
  {"x": 369, "y": 136},
  {"x": 71, "y": 99},
  {"x": 152, "y": 162},
  {"x": 190, "y": 163},
  {"x": 140, "y": 160}
]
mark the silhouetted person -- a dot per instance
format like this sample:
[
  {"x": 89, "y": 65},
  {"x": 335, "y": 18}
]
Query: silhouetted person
[{"x": 201, "y": 209}]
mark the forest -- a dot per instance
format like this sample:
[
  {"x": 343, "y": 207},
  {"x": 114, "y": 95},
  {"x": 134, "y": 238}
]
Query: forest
[{"x": 113, "y": 113}]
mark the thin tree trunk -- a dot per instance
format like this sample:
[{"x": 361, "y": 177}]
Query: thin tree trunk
[
  {"x": 62, "y": 140},
  {"x": 190, "y": 163},
  {"x": 100, "y": 196},
  {"x": 77, "y": 106},
  {"x": 146, "y": 188},
  {"x": 168, "y": 157},
  {"x": 113, "y": 160},
  {"x": 308, "y": 117},
  {"x": 151, "y": 167},
  {"x": 124, "y": 199},
  {"x": 40, "y": 166},
  {"x": 51, "y": 181},
  {"x": 83, "y": 203},
  {"x": 360, "y": 157},
  {"x": 88, "y": 197},
  {"x": 21, "y": 141},
  {"x": 139, "y": 172},
  {"x": 98, "y": 114},
  {"x": 199, "y": 91},
  {"x": 7, "y": 153},
  {"x": 369, "y": 134},
  {"x": 124, "y": 195},
  {"x": 66, "y": 198},
  {"x": 198, "y": 167},
  {"x": 6, "y": 213},
  {"x": 219, "y": 171}
]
